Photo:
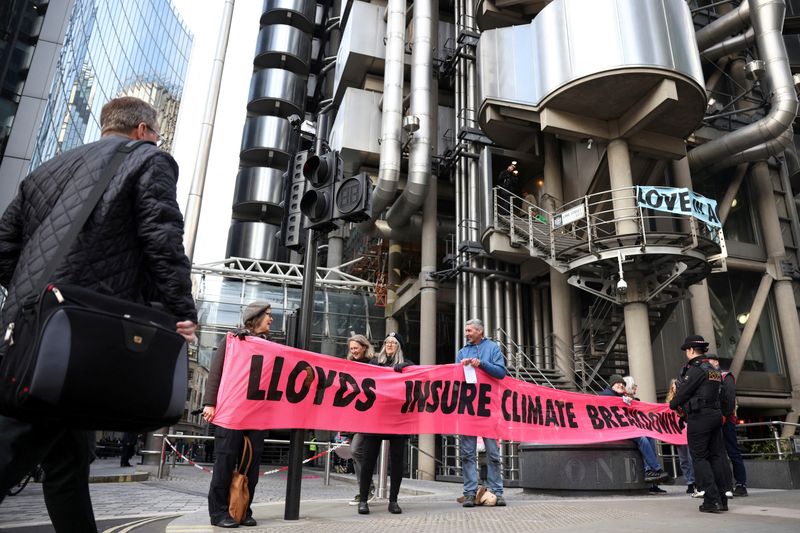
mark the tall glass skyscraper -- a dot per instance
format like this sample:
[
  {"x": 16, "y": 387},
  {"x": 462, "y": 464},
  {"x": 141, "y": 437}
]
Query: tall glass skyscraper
[{"x": 114, "y": 48}]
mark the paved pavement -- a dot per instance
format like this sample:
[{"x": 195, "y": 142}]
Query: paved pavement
[{"x": 427, "y": 506}]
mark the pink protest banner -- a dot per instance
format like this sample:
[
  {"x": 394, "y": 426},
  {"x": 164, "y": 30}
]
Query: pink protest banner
[{"x": 265, "y": 386}]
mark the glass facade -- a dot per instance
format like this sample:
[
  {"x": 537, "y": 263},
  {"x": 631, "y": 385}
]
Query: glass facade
[
  {"x": 732, "y": 296},
  {"x": 114, "y": 48},
  {"x": 337, "y": 314},
  {"x": 20, "y": 22}
]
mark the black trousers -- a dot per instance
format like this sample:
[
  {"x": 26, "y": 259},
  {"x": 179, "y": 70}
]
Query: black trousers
[
  {"x": 64, "y": 455},
  {"x": 704, "y": 436},
  {"x": 228, "y": 445},
  {"x": 371, "y": 450}
]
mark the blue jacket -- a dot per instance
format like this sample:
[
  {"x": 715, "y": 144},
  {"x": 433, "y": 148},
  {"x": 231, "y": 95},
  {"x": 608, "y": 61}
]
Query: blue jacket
[{"x": 489, "y": 354}]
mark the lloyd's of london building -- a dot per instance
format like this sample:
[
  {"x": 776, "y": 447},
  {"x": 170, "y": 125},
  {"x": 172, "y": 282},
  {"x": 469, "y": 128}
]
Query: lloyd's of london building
[{"x": 654, "y": 194}]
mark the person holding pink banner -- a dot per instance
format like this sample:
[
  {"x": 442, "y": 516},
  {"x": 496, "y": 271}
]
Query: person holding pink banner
[
  {"x": 391, "y": 355},
  {"x": 359, "y": 349},
  {"x": 480, "y": 352},
  {"x": 228, "y": 443}
]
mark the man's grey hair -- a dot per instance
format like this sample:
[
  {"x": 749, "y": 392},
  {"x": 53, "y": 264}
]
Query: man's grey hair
[
  {"x": 475, "y": 322},
  {"x": 126, "y": 113}
]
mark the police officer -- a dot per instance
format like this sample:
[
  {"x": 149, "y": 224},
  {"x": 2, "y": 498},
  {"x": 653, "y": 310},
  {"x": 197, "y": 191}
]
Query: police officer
[{"x": 698, "y": 396}]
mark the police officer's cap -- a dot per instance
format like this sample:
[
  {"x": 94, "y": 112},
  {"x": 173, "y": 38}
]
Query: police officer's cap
[{"x": 694, "y": 341}]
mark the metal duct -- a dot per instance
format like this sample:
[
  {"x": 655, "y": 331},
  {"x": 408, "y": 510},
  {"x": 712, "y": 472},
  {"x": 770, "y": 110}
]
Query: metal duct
[
  {"x": 767, "y": 18},
  {"x": 258, "y": 194},
  {"x": 392, "y": 119},
  {"x": 419, "y": 161},
  {"x": 275, "y": 91},
  {"x": 282, "y": 46},
  {"x": 254, "y": 240},
  {"x": 278, "y": 90},
  {"x": 730, "y": 46},
  {"x": 771, "y": 148},
  {"x": 413, "y": 228},
  {"x": 728, "y": 24},
  {"x": 298, "y": 13},
  {"x": 265, "y": 141}
]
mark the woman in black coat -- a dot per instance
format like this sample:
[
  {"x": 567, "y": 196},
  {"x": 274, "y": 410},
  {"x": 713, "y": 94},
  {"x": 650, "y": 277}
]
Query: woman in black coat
[
  {"x": 228, "y": 443},
  {"x": 391, "y": 354}
]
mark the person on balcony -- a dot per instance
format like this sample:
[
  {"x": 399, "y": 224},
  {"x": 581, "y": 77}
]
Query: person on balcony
[{"x": 508, "y": 181}]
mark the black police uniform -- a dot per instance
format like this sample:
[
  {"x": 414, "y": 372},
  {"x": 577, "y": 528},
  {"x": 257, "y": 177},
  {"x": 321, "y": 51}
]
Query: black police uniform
[{"x": 698, "y": 395}]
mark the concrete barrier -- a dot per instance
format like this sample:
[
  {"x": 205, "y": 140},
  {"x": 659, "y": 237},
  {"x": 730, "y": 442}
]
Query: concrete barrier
[
  {"x": 612, "y": 466},
  {"x": 772, "y": 474}
]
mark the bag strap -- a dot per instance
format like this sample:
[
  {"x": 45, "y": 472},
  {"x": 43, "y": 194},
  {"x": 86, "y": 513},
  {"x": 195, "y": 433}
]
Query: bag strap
[
  {"x": 122, "y": 152},
  {"x": 247, "y": 451}
]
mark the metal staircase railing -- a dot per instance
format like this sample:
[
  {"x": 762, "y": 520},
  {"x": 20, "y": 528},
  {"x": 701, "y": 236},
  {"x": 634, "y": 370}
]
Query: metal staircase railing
[{"x": 521, "y": 366}]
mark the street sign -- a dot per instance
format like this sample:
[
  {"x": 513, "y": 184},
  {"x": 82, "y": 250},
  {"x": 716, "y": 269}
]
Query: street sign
[{"x": 569, "y": 216}]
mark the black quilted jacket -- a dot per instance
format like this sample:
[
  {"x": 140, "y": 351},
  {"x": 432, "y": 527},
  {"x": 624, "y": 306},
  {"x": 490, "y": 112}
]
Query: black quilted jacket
[{"x": 131, "y": 246}]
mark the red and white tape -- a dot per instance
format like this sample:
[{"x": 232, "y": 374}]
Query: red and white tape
[{"x": 273, "y": 471}]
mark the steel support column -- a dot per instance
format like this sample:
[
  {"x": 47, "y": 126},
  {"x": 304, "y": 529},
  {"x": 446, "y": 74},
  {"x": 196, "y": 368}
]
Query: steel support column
[
  {"x": 700, "y": 302},
  {"x": 784, "y": 294},
  {"x": 560, "y": 292},
  {"x": 637, "y": 322}
]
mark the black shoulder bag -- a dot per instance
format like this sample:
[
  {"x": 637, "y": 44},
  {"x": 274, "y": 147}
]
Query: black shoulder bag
[{"x": 87, "y": 360}]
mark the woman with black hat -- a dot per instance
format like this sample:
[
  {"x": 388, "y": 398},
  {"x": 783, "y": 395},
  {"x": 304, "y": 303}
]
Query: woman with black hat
[
  {"x": 228, "y": 443},
  {"x": 391, "y": 355}
]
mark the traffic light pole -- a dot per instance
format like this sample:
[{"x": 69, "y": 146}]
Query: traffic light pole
[{"x": 298, "y": 436}]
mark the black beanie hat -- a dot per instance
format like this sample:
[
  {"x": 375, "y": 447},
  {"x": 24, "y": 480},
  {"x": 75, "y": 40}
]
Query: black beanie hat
[{"x": 395, "y": 336}]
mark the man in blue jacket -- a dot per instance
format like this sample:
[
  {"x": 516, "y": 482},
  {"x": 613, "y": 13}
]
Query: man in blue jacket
[{"x": 482, "y": 353}]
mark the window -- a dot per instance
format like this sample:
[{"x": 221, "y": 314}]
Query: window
[{"x": 732, "y": 295}]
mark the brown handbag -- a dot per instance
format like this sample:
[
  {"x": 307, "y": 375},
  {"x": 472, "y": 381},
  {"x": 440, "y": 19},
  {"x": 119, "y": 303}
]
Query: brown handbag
[{"x": 239, "y": 496}]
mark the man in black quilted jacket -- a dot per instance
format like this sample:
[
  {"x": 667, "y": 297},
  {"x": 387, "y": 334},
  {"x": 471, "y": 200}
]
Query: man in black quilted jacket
[{"x": 130, "y": 247}]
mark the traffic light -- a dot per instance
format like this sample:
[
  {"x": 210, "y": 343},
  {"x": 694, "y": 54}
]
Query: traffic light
[
  {"x": 353, "y": 198},
  {"x": 291, "y": 234},
  {"x": 321, "y": 172}
]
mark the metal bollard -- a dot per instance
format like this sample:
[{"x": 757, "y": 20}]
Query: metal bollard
[
  {"x": 163, "y": 457},
  {"x": 328, "y": 464},
  {"x": 777, "y": 441}
]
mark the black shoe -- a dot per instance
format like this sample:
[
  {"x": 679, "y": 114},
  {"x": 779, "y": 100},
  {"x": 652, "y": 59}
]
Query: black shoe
[
  {"x": 125, "y": 465},
  {"x": 710, "y": 508},
  {"x": 226, "y": 522},
  {"x": 394, "y": 508},
  {"x": 501, "y": 502},
  {"x": 655, "y": 490},
  {"x": 249, "y": 522},
  {"x": 740, "y": 491},
  {"x": 363, "y": 508},
  {"x": 690, "y": 488},
  {"x": 655, "y": 475},
  {"x": 723, "y": 506},
  {"x": 469, "y": 501}
]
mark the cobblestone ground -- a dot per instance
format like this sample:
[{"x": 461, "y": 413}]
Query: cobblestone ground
[{"x": 183, "y": 491}]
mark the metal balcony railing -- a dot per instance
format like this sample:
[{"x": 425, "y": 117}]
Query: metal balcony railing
[{"x": 585, "y": 230}]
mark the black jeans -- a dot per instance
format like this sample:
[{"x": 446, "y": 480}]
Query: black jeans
[
  {"x": 64, "y": 455},
  {"x": 228, "y": 445},
  {"x": 704, "y": 436},
  {"x": 371, "y": 449},
  {"x": 734, "y": 454}
]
